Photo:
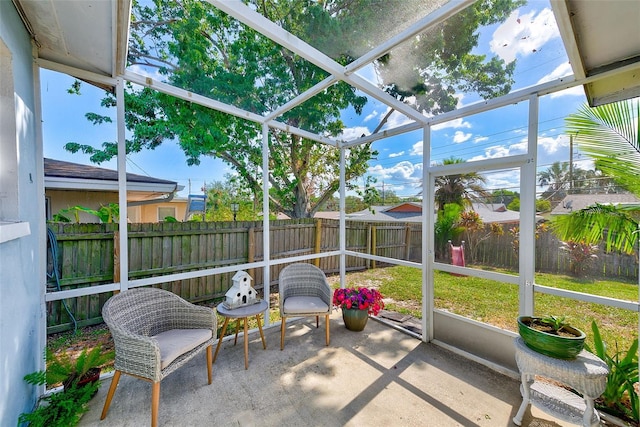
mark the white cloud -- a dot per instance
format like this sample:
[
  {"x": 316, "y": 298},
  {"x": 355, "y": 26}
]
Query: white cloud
[
  {"x": 523, "y": 35},
  {"x": 453, "y": 124},
  {"x": 561, "y": 70},
  {"x": 460, "y": 137},
  {"x": 392, "y": 155},
  {"x": 549, "y": 149},
  {"x": 493, "y": 152},
  {"x": 416, "y": 149},
  {"x": 397, "y": 119},
  {"x": 506, "y": 179},
  {"x": 404, "y": 171},
  {"x": 497, "y": 151},
  {"x": 371, "y": 116},
  {"x": 480, "y": 139},
  {"x": 394, "y": 120},
  {"x": 574, "y": 91},
  {"x": 355, "y": 132},
  {"x": 148, "y": 72},
  {"x": 585, "y": 164},
  {"x": 549, "y": 145}
]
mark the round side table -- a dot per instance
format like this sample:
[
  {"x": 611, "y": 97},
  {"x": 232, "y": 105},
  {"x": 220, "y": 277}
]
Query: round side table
[{"x": 241, "y": 313}]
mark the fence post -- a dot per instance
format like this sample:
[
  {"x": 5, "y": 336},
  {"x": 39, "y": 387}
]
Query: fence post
[
  {"x": 318, "y": 242},
  {"x": 251, "y": 249},
  {"x": 407, "y": 241},
  {"x": 116, "y": 258},
  {"x": 373, "y": 245},
  {"x": 368, "y": 263}
]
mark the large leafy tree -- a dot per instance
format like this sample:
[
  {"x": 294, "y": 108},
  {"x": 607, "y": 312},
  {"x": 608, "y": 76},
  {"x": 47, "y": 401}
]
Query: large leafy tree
[
  {"x": 198, "y": 48},
  {"x": 610, "y": 134}
]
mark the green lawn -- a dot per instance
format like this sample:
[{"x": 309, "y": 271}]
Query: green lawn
[{"x": 496, "y": 303}]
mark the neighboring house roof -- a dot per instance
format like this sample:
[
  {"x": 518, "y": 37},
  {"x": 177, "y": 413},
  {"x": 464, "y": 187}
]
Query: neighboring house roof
[
  {"x": 412, "y": 212},
  {"x": 575, "y": 202},
  {"x": 495, "y": 212},
  {"x": 60, "y": 175},
  {"x": 326, "y": 215},
  {"x": 405, "y": 212}
]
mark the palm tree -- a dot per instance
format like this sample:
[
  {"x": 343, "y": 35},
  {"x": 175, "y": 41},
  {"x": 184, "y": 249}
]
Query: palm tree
[
  {"x": 460, "y": 189},
  {"x": 610, "y": 134},
  {"x": 556, "y": 177}
]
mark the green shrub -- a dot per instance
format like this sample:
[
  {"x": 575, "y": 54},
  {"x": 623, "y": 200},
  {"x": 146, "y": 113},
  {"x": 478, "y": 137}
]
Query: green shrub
[
  {"x": 62, "y": 368},
  {"x": 61, "y": 409}
]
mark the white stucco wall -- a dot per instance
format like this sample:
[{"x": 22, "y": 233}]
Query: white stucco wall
[{"x": 21, "y": 199}]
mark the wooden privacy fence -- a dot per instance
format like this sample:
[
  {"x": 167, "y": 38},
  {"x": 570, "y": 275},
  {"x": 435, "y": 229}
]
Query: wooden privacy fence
[
  {"x": 85, "y": 255},
  {"x": 498, "y": 251}
]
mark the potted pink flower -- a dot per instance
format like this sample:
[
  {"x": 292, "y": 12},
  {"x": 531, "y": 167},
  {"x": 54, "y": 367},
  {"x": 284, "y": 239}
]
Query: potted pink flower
[{"x": 357, "y": 304}]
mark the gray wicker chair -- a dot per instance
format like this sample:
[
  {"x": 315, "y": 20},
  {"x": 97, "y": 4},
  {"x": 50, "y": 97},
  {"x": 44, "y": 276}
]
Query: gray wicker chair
[
  {"x": 304, "y": 291},
  {"x": 155, "y": 332}
]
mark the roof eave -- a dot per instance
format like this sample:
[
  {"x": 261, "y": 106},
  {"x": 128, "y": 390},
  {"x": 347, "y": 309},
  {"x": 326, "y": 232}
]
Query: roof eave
[{"x": 57, "y": 183}]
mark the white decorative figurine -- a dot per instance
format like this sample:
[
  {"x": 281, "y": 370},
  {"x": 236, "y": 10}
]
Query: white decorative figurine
[{"x": 241, "y": 293}]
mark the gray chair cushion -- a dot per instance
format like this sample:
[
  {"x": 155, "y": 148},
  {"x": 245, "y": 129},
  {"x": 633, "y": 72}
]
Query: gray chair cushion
[
  {"x": 304, "y": 304},
  {"x": 176, "y": 342}
]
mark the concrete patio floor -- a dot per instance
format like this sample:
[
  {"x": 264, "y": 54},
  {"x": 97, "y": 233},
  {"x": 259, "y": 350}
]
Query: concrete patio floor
[{"x": 378, "y": 377}]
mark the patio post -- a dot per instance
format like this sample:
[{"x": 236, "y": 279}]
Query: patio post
[
  {"x": 343, "y": 226},
  {"x": 428, "y": 223},
  {"x": 527, "y": 249},
  {"x": 122, "y": 186},
  {"x": 266, "y": 271}
]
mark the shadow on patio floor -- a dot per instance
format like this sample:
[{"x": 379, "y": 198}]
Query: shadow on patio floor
[{"x": 380, "y": 376}]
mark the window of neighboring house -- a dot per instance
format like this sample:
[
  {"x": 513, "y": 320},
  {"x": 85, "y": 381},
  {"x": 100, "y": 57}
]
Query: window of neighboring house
[{"x": 164, "y": 212}]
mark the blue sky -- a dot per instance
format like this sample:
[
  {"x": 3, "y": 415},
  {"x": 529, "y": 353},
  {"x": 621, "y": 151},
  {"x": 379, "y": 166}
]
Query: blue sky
[
  {"x": 529, "y": 36},
  {"x": 64, "y": 121}
]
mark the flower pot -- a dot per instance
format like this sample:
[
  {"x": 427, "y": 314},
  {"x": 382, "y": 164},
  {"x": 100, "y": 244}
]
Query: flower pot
[
  {"x": 355, "y": 319},
  {"x": 560, "y": 347}
]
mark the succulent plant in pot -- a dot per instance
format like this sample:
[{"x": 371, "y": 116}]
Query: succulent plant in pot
[{"x": 551, "y": 336}]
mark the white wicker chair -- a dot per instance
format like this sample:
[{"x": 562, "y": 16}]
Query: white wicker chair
[
  {"x": 155, "y": 332},
  {"x": 304, "y": 291}
]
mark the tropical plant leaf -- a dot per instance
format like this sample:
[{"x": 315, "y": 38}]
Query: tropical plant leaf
[
  {"x": 610, "y": 134},
  {"x": 616, "y": 225}
]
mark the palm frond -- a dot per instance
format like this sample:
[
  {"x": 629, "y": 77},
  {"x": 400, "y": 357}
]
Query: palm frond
[
  {"x": 610, "y": 134},
  {"x": 615, "y": 225}
]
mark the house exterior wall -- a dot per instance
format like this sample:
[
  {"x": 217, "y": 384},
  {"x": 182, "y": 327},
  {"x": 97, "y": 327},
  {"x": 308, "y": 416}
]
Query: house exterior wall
[
  {"x": 149, "y": 213},
  {"x": 22, "y": 271},
  {"x": 64, "y": 199}
]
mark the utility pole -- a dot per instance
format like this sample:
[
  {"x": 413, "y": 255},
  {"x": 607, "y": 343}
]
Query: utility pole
[{"x": 570, "y": 164}]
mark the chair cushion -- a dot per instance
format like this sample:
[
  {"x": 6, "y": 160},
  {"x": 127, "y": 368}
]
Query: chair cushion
[
  {"x": 176, "y": 342},
  {"x": 305, "y": 305}
]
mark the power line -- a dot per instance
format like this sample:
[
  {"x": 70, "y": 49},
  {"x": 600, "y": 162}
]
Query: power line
[{"x": 476, "y": 146}]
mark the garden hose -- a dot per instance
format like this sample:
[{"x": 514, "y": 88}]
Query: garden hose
[{"x": 52, "y": 246}]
